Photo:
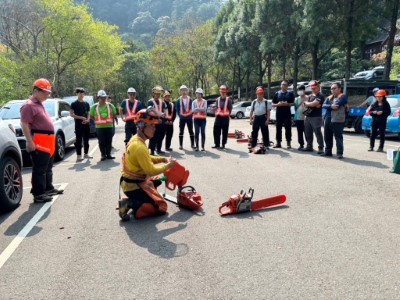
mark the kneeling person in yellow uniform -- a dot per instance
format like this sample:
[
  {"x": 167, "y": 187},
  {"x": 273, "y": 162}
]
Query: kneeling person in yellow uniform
[{"x": 139, "y": 169}]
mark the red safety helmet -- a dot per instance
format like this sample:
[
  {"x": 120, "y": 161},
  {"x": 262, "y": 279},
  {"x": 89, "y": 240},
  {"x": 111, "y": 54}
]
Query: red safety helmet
[
  {"x": 260, "y": 90},
  {"x": 43, "y": 84},
  {"x": 147, "y": 116},
  {"x": 223, "y": 89},
  {"x": 380, "y": 93}
]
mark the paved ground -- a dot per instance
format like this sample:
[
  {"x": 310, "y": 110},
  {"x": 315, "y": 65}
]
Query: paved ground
[{"x": 337, "y": 237}]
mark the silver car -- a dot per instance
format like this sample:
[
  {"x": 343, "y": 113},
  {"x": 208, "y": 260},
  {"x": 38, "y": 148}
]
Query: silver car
[
  {"x": 11, "y": 186},
  {"x": 239, "y": 109},
  {"x": 64, "y": 124}
]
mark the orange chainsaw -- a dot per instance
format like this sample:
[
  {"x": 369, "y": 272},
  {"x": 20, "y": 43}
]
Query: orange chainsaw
[
  {"x": 243, "y": 203},
  {"x": 186, "y": 195}
]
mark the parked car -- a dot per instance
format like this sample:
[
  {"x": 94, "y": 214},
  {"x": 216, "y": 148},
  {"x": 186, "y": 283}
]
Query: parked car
[
  {"x": 376, "y": 73},
  {"x": 64, "y": 124},
  {"x": 11, "y": 186},
  {"x": 248, "y": 109},
  {"x": 393, "y": 121},
  {"x": 211, "y": 109},
  {"x": 88, "y": 99},
  {"x": 239, "y": 109}
]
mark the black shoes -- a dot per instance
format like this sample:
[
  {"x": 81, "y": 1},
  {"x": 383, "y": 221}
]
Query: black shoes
[
  {"x": 307, "y": 149},
  {"x": 300, "y": 148},
  {"x": 340, "y": 156},
  {"x": 42, "y": 198},
  {"x": 371, "y": 149},
  {"x": 110, "y": 157},
  {"x": 289, "y": 146},
  {"x": 278, "y": 145},
  {"x": 379, "y": 149},
  {"x": 325, "y": 154},
  {"x": 103, "y": 158},
  {"x": 168, "y": 149},
  {"x": 54, "y": 192},
  {"x": 215, "y": 147},
  {"x": 320, "y": 150},
  {"x": 160, "y": 152}
]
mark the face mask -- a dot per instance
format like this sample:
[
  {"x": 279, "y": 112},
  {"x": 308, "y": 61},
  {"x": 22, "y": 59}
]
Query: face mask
[{"x": 300, "y": 93}]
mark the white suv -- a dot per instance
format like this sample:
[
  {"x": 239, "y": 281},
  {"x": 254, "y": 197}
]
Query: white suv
[
  {"x": 64, "y": 125},
  {"x": 11, "y": 186}
]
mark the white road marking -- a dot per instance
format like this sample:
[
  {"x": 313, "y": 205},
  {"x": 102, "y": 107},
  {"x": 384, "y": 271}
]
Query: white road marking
[{"x": 6, "y": 254}]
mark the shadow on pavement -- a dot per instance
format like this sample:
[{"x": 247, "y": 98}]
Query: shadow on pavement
[
  {"x": 80, "y": 166},
  {"x": 106, "y": 165},
  {"x": 145, "y": 234},
  {"x": 16, "y": 227},
  {"x": 366, "y": 163},
  {"x": 281, "y": 153},
  {"x": 241, "y": 154},
  {"x": 258, "y": 213}
]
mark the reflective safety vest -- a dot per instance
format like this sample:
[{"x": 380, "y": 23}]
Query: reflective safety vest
[
  {"x": 199, "y": 115},
  {"x": 157, "y": 107},
  {"x": 130, "y": 114},
  {"x": 100, "y": 120},
  {"x": 188, "y": 109},
  {"x": 168, "y": 116},
  {"x": 44, "y": 142},
  {"x": 225, "y": 112}
]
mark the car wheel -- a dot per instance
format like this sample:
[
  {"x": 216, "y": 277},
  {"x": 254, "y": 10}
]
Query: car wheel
[
  {"x": 367, "y": 133},
  {"x": 60, "y": 148},
  {"x": 11, "y": 185},
  {"x": 240, "y": 115}
]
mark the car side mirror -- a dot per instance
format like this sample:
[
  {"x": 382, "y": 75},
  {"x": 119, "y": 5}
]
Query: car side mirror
[{"x": 65, "y": 113}]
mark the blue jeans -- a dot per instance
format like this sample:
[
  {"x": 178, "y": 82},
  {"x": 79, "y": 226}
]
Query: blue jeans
[
  {"x": 330, "y": 130},
  {"x": 200, "y": 127}
]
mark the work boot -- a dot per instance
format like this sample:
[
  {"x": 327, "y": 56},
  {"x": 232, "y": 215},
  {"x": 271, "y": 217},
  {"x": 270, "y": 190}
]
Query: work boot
[
  {"x": 278, "y": 145},
  {"x": 192, "y": 142},
  {"x": 123, "y": 210},
  {"x": 181, "y": 142},
  {"x": 288, "y": 145},
  {"x": 54, "y": 192},
  {"x": 371, "y": 149},
  {"x": 380, "y": 149},
  {"x": 87, "y": 156},
  {"x": 79, "y": 158},
  {"x": 320, "y": 150}
]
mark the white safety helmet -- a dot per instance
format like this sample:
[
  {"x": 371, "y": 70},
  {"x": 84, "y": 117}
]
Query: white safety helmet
[
  {"x": 101, "y": 93},
  {"x": 200, "y": 91},
  {"x": 183, "y": 87},
  {"x": 131, "y": 90}
]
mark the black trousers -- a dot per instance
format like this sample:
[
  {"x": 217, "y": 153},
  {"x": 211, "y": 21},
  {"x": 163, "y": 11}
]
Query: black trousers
[
  {"x": 300, "y": 132},
  {"x": 130, "y": 130},
  {"x": 259, "y": 122},
  {"x": 104, "y": 136},
  {"x": 221, "y": 125},
  {"x": 169, "y": 132},
  {"x": 42, "y": 172},
  {"x": 157, "y": 139},
  {"x": 287, "y": 123},
  {"x": 189, "y": 124},
  {"x": 138, "y": 197},
  {"x": 377, "y": 127},
  {"x": 82, "y": 132}
]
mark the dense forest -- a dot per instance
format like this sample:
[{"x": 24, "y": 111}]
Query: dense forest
[{"x": 115, "y": 44}]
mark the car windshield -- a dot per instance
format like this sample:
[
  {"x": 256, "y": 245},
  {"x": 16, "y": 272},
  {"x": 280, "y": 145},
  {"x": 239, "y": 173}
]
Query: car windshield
[
  {"x": 12, "y": 110},
  {"x": 394, "y": 102},
  {"x": 362, "y": 74}
]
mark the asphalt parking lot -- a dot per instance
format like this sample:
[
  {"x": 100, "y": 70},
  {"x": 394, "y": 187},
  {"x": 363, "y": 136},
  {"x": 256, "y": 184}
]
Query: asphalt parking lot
[{"x": 336, "y": 237}]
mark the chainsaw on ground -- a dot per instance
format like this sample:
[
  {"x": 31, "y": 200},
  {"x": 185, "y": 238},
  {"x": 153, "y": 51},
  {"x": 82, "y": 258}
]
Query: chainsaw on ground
[
  {"x": 176, "y": 177},
  {"x": 236, "y": 135},
  {"x": 243, "y": 202}
]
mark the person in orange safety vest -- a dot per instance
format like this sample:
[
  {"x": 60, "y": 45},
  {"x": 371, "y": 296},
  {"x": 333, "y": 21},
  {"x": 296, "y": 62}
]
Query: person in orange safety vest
[
  {"x": 127, "y": 111},
  {"x": 222, "y": 115},
  {"x": 199, "y": 108},
  {"x": 38, "y": 130}
]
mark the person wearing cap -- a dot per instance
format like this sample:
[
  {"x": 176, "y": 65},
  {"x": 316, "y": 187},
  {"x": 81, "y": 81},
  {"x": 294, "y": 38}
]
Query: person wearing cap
[
  {"x": 313, "y": 120},
  {"x": 299, "y": 116},
  {"x": 127, "y": 111},
  {"x": 170, "y": 116},
  {"x": 222, "y": 115},
  {"x": 103, "y": 114},
  {"x": 259, "y": 118},
  {"x": 139, "y": 168},
  {"x": 38, "y": 129},
  {"x": 282, "y": 101},
  {"x": 80, "y": 112},
  {"x": 199, "y": 108},
  {"x": 334, "y": 118},
  {"x": 183, "y": 106},
  {"x": 160, "y": 107},
  {"x": 371, "y": 99},
  {"x": 379, "y": 111}
]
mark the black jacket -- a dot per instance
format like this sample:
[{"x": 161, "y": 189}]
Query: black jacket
[{"x": 385, "y": 108}]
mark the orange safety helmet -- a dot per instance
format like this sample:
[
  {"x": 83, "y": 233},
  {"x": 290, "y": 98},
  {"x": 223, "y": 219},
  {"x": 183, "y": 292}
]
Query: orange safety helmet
[
  {"x": 147, "y": 116},
  {"x": 43, "y": 84},
  {"x": 380, "y": 93},
  {"x": 223, "y": 89},
  {"x": 260, "y": 90}
]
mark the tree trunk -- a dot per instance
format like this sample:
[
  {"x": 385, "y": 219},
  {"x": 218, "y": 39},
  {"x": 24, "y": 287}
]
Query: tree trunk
[
  {"x": 392, "y": 34},
  {"x": 296, "y": 59},
  {"x": 269, "y": 74},
  {"x": 349, "y": 41},
  {"x": 315, "y": 61}
]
